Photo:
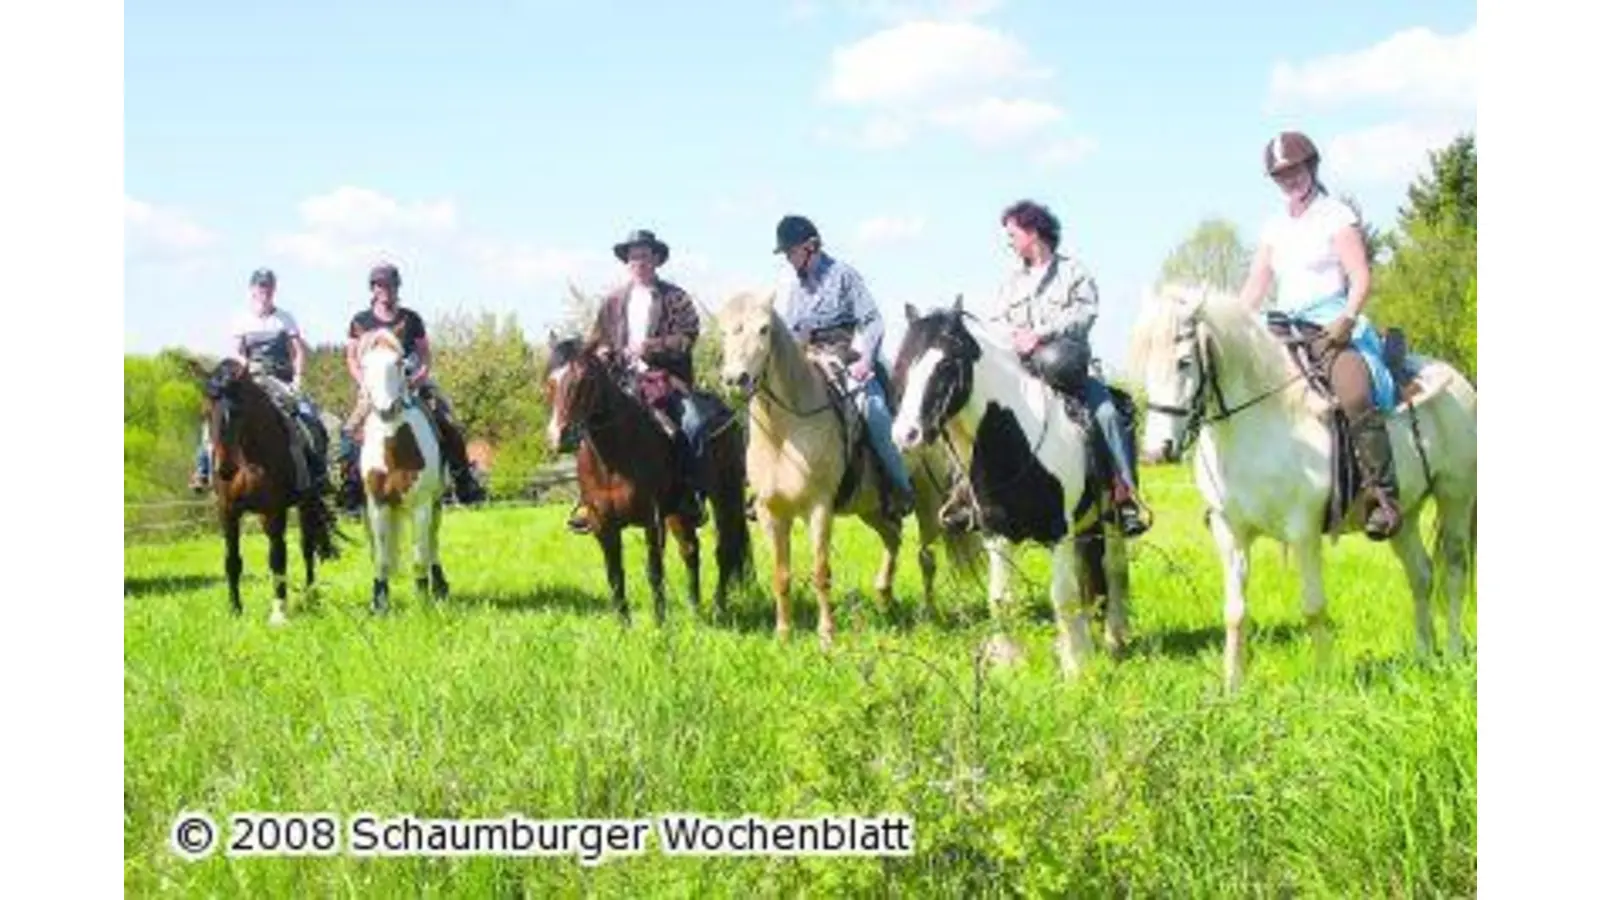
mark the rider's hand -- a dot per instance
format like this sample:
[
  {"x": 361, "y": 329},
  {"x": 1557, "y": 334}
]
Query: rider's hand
[
  {"x": 861, "y": 369},
  {"x": 603, "y": 353},
  {"x": 419, "y": 375},
  {"x": 1339, "y": 330}
]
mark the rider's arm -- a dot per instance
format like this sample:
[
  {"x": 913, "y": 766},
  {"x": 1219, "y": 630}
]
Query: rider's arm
[
  {"x": 1073, "y": 306},
  {"x": 297, "y": 356},
  {"x": 1352, "y": 249},
  {"x": 869, "y": 325},
  {"x": 424, "y": 357},
  {"x": 1260, "y": 278},
  {"x": 682, "y": 330}
]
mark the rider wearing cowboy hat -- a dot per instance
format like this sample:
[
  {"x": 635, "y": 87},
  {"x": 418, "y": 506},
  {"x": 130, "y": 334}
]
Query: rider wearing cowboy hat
[{"x": 646, "y": 331}]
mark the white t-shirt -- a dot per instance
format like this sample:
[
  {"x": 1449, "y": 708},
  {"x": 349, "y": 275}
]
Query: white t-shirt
[
  {"x": 638, "y": 316},
  {"x": 1303, "y": 255},
  {"x": 266, "y": 340}
]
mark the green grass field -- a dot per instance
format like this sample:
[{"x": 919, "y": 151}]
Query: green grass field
[{"x": 522, "y": 694}]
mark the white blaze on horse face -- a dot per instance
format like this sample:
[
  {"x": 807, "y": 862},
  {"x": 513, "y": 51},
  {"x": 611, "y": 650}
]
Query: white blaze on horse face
[
  {"x": 381, "y": 366},
  {"x": 553, "y": 432},
  {"x": 744, "y": 349},
  {"x": 909, "y": 429}
]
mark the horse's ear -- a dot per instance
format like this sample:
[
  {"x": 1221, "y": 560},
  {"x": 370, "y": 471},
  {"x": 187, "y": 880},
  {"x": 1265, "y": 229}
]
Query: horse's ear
[
  {"x": 957, "y": 306},
  {"x": 196, "y": 368},
  {"x": 911, "y": 314},
  {"x": 554, "y": 338}
]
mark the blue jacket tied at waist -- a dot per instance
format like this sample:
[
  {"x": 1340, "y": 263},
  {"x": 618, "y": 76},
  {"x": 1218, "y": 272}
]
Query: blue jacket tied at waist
[{"x": 1363, "y": 339}]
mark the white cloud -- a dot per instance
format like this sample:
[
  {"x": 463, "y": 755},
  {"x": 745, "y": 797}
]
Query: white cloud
[
  {"x": 157, "y": 232},
  {"x": 889, "y": 229},
  {"x": 1392, "y": 153},
  {"x": 351, "y": 226},
  {"x": 1416, "y": 67},
  {"x": 993, "y": 122},
  {"x": 918, "y": 61},
  {"x": 948, "y": 74},
  {"x": 1065, "y": 151},
  {"x": 526, "y": 265}
]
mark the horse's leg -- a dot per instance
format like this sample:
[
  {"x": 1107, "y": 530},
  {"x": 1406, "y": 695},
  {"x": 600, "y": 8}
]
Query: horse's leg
[
  {"x": 1115, "y": 562},
  {"x": 688, "y": 541},
  {"x": 821, "y": 528},
  {"x": 891, "y": 534},
  {"x": 441, "y": 587},
  {"x": 609, "y": 535},
  {"x": 1235, "y": 552},
  {"x": 308, "y": 547},
  {"x": 1456, "y": 539},
  {"x": 1313, "y": 597},
  {"x": 232, "y": 562},
  {"x": 425, "y": 524},
  {"x": 778, "y": 528},
  {"x": 277, "y": 523},
  {"x": 1407, "y": 545},
  {"x": 1066, "y": 598},
  {"x": 654, "y": 538},
  {"x": 1000, "y": 648},
  {"x": 383, "y": 519}
]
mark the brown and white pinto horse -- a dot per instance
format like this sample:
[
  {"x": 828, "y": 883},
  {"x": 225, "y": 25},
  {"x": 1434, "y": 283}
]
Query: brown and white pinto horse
[
  {"x": 401, "y": 469},
  {"x": 254, "y": 473}
]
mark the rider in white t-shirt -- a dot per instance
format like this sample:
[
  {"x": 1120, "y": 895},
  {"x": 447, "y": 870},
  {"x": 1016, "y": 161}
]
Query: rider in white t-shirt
[
  {"x": 267, "y": 340},
  {"x": 1317, "y": 253}
]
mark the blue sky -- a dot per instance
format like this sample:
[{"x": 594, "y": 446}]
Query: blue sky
[{"x": 496, "y": 149}]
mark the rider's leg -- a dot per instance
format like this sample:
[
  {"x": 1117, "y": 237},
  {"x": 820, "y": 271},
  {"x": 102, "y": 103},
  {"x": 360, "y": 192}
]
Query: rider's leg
[
  {"x": 1115, "y": 438},
  {"x": 453, "y": 444},
  {"x": 201, "y": 479},
  {"x": 1352, "y": 384},
  {"x": 875, "y": 407}
]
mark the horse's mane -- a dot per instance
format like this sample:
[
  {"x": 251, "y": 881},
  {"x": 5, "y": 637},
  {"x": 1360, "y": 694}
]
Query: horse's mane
[{"x": 1251, "y": 349}]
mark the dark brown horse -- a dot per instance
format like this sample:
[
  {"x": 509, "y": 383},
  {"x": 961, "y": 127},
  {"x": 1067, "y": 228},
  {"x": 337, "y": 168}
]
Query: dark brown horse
[
  {"x": 628, "y": 475},
  {"x": 253, "y": 472}
]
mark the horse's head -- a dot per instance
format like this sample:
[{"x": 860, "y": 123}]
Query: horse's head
[
  {"x": 221, "y": 405},
  {"x": 932, "y": 373},
  {"x": 572, "y": 377},
  {"x": 1166, "y": 356},
  {"x": 381, "y": 358},
  {"x": 746, "y": 323}
]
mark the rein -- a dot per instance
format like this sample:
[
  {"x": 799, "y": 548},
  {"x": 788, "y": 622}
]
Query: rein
[{"x": 1194, "y": 414}]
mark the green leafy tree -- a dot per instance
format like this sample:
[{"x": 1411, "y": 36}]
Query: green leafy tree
[{"x": 1213, "y": 255}]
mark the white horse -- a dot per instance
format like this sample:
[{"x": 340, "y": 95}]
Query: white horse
[
  {"x": 401, "y": 469},
  {"x": 1027, "y": 463},
  {"x": 1211, "y": 367}
]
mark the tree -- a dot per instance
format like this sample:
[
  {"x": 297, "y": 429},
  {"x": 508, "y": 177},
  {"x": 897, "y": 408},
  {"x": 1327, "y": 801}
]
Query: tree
[
  {"x": 1212, "y": 255},
  {"x": 1429, "y": 285},
  {"x": 1449, "y": 191}
]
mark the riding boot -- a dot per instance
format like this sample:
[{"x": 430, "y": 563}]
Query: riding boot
[
  {"x": 350, "y": 495},
  {"x": 1370, "y": 435}
]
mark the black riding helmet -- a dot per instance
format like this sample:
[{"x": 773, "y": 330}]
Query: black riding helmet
[
  {"x": 265, "y": 278},
  {"x": 793, "y": 231}
]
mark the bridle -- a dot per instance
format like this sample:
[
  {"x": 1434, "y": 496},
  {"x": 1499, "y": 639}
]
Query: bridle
[{"x": 1207, "y": 393}]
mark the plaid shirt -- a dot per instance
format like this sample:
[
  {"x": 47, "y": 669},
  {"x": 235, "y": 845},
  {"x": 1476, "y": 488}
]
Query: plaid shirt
[
  {"x": 1068, "y": 300},
  {"x": 670, "y": 333},
  {"x": 834, "y": 296}
]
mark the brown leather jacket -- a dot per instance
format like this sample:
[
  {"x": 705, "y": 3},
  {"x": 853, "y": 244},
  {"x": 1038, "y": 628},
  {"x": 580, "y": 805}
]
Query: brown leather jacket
[{"x": 671, "y": 330}]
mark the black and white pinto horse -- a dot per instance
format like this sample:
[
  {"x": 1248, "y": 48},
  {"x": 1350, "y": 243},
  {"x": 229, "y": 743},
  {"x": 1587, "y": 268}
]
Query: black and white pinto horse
[{"x": 1027, "y": 465}]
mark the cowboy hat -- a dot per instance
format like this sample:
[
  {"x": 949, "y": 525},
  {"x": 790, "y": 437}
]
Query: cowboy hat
[{"x": 645, "y": 237}]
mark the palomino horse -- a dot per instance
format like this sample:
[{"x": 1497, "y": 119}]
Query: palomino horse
[
  {"x": 797, "y": 461},
  {"x": 401, "y": 469},
  {"x": 627, "y": 475},
  {"x": 1027, "y": 465},
  {"x": 1212, "y": 367},
  {"x": 253, "y": 472}
]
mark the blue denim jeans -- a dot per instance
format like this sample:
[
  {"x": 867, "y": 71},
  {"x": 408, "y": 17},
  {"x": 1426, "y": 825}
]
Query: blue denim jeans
[
  {"x": 874, "y": 404},
  {"x": 1117, "y": 439}
]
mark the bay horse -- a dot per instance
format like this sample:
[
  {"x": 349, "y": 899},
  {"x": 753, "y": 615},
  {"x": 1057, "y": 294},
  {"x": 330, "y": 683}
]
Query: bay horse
[
  {"x": 401, "y": 469},
  {"x": 798, "y": 460},
  {"x": 253, "y": 472},
  {"x": 1214, "y": 373},
  {"x": 627, "y": 476},
  {"x": 1028, "y": 471}
]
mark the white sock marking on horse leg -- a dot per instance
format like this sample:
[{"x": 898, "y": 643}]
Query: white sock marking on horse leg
[{"x": 1072, "y": 622}]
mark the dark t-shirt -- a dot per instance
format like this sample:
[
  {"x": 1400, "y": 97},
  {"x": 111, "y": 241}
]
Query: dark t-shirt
[{"x": 366, "y": 321}]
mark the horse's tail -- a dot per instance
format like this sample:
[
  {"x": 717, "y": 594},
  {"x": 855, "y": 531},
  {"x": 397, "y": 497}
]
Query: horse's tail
[
  {"x": 320, "y": 526},
  {"x": 734, "y": 560}
]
